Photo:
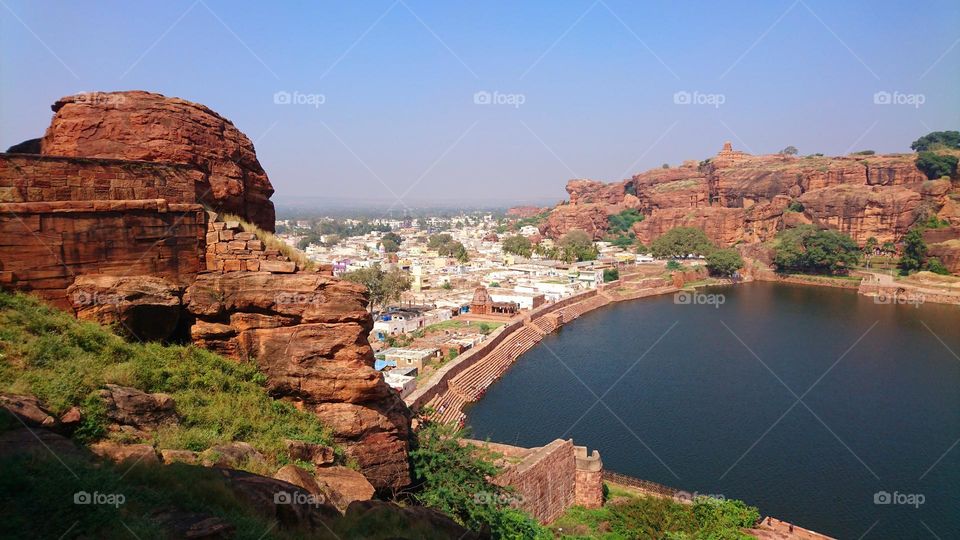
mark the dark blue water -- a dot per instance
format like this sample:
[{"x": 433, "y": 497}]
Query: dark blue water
[{"x": 880, "y": 407}]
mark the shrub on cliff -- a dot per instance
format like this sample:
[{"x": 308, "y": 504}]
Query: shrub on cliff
[
  {"x": 63, "y": 362},
  {"x": 936, "y": 165},
  {"x": 623, "y": 221},
  {"x": 633, "y": 516},
  {"x": 453, "y": 477},
  {"x": 807, "y": 249},
  {"x": 682, "y": 242},
  {"x": 937, "y": 139},
  {"x": 724, "y": 262}
]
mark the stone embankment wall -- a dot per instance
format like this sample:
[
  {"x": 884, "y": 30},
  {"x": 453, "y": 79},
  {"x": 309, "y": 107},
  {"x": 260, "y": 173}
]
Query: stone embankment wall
[
  {"x": 231, "y": 249},
  {"x": 548, "y": 480},
  {"x": 65, "y": 217}
]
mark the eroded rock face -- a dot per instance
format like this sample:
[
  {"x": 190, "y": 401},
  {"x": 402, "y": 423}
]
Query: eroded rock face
[
  {"x": 145, "y": 126},
  {"x": 308, "y": 334},
  {"x": 144, "y": 307},
  {"x": 736, "y": 197}
]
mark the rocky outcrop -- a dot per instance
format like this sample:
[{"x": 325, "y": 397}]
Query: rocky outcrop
[
  {"x": 137, "y": 412},
  {"x": 525, "y": 211},
  {"x": 739, "y": 198},
  {"x": 145, "y": 126},
  {"x": 143, "y": 307},
  {"x": 308, "y": 334},
  {"x": 885, "y": 213}
]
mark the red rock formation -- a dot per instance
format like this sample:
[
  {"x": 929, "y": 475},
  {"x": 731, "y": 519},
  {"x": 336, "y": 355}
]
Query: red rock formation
[
  {"x": 525, "y": 211},
  {"x": 308, "y": 333},
  {"x": 151, "y": 127},
  {"x": 735, "y": 197}
]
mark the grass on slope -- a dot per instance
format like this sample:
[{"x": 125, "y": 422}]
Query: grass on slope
[
  {"x": 630, "y": 516},
  {"x": 47, "y": 353},
  {"x": 29, "y": 484},
  {"x": 272, "y": 241}
]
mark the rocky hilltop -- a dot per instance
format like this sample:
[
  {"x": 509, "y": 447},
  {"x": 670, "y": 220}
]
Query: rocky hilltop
[
  {"x": 143, "y": 126},
  {"x": 117, "y": 213},
  {"x": 740, "y": 198}
]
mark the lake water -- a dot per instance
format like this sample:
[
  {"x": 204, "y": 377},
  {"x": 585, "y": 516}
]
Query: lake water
[{"x": 704, "y": 398}]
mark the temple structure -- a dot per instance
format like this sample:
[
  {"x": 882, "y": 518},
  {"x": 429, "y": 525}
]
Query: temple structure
[
  {"x": 483, "y": 304},
  {"x": 728, "y": 156}
]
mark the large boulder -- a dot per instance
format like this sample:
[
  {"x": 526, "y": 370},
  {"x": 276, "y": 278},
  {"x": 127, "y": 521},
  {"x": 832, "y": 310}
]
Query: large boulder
[
  {"x": 343, "y": 485},
  {"x": 308, "y": 334},
  {"x": 131, "y": 408},
  {"x": 144, "y": 307},
  {"x": 144, "y": 126}
]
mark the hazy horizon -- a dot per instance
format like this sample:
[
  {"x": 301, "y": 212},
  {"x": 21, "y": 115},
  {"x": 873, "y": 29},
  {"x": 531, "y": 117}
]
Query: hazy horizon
[{"x": 413, "y": 102}]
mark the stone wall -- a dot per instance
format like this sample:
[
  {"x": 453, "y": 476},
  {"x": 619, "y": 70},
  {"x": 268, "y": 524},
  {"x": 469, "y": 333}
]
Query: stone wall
[
  {"x": 34, "y": 178},
  {"x": 232, "y": 249},
  {"x": 548, "y": 480},
  {"x": 45, "y": 246},
  {"x": 588, "y": 491},
  {"x": 65, "y": 217}
]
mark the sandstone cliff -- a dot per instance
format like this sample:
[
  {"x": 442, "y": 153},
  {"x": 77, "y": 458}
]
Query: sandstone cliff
[
  {"x": 93, "y": 224},
  {"x": 151, "y": 127},
  {"x": 308, "y": 333},
  {"x": 740, "y": 198}
]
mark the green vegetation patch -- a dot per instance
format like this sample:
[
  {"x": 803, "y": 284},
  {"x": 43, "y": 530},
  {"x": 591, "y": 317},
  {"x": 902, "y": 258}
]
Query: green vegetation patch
[
  {"x": 47, "y": 353},
  {"x": 628, "y": 516}
]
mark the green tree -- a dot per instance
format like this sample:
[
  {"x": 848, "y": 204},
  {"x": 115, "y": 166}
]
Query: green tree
[
  {"x": 389, "y": 246},
  {"x": 934, "y": 265},
  {"x": 437, "y": 241},
  {"x": 789, "y": 151},
  {"x": 724, "y": 262},
  {"x": 682, "y": 242},
  {"x": 936, "y": 165},
  {"x": 577, "y": 245},
  {"x": 936, "y": 140},
  {"x": 382, "y": 287},
  {"x": 811, "y": 250},
  {"x": 517, "y": 245},
  {"x": 914, "y": 251},
  {"x": 610, "y": 274},
  {"x": 454, "y": 477}
]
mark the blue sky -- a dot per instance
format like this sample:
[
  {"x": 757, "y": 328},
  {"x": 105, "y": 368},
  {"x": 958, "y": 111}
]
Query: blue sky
[{"x": 585, "y": 88}]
